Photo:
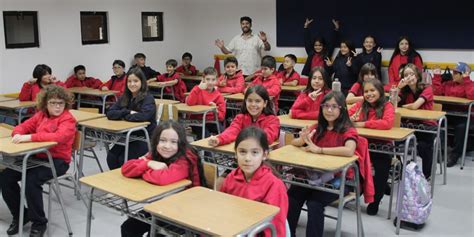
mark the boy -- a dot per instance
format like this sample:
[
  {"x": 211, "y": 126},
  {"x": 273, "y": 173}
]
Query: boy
[
  {"x": 186, "y": 68},
  {"x": 232, "y": 81},
  {"x": 79, "y": 79},
  {"x": 268, "y": 79},
  {"x": 288, "y": 76},
  {"x": 140, "y": 59},
  {"x": 179, "y": 88}
]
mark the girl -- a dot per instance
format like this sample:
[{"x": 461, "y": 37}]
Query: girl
[
  {"x": 118, "y": 80},
  {"x": 257, "y": 110},
  {"x": 232, "y": 81},
  {"x": 287, "y": 75},
  {"x": 334, "y": 135},
  {"x": 415, "y": 96},
  {"x": 370, "y": 54},
  {"x": 172, "y": 159},
  {"x": 356, "y": 93},
  {"x": 52, "y": 122},
  {"x": 41, "y": 78},
  {"x": 404, "y": 53},
  {"x": 135, "y": 105},
  {"x": 307, "y": 104},
  {"x": 317, "y": 49},
  {"x": 377, "y": 113},
  {"x": 342, "y": 66},
  {"x": 253, "y": 179}
]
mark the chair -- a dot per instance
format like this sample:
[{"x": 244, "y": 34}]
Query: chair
[
  {"x": 437, "y": 107},
  {"x": 165, "y": 112},
  {"x": 210, "y": 173}
]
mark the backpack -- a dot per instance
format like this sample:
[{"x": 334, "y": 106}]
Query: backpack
[{"x": 446, "y": 76}]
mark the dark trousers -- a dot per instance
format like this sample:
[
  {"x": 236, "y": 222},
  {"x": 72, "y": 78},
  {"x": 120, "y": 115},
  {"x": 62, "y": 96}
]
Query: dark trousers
[
  {"x": 459, "y": 125},
  {"x": 381, "y": 164},
  {"x": 135, "y": 228},
  {"x": 35, "y": 178},
  {"x": 315, "y": 201},
  {"x": 425, "y": 151},
  {"x": 115, "y": 158}
]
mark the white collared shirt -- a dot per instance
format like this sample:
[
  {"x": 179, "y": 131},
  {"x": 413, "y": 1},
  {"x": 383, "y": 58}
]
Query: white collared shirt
[{"x": 248, "y": 52}]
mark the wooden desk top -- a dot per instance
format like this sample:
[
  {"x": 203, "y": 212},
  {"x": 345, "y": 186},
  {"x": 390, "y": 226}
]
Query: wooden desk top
[
  {"x": 286, "y": 121},
  {"x": 191, "y": 78},
  {"x": 394, "y": 134},
  {"x": 184, "y": 108},
  {"x": 82, "y": 116},
  {"x": 90, "y": 91},
  {"x": 293, "y": 88},
  {"x": 237, "y": 97},
  {"x": 420, "y": 114},
  {"x": 3, "y": 98},
  {"x": 134, "y": 189},
  {"x": 295, "y": 156},
  {"x": 211, "y": 212},
  {"x": 5, "y": 132},
  {"x": 7, "y": 147},
  {"x": 228, "y": 148},
  {"x": 117, "y": 126},
  {"x": 157, "y": 84},
  {"x": 452, "y": 100},
  {"x": 166, "y": 102},
  {"x": 16, "y": 104}
]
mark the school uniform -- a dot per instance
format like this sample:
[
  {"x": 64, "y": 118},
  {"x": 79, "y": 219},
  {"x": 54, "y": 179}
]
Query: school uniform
[
  {"x": 357, "y": 89},
  {"x": 116, "y": 83},
  {"x": 273, "y": 86},
  {"x": 29, "y": 91},
  {"x": 394, "y": 67},
  {"x": 307, "y": 108},
  {"x": 293, "y": 76},
  {"x": 179, "y": 89},
  {"x": 90, "y": 82},
  {"x": 60, "y": 129},
  {"x": 233, "y": 84},
  {"x": 347, "y": 75},
  {"x": 191, "y": 69},
  {"x": 373, "y": 57},
  {"x": 146, "y": 112},
  {"x": 148, "y": 71},
  {"x": 263, "y": 187},
  {"x": 269, "y": 123},
  {"x": 315, "y": 59}
]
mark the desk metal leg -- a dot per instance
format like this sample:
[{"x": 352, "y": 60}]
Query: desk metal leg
[
  {"x": 445, "y": 165},
  {"x": 89, "y": 214},
  {"x": 127, "y": 141},
  {"x": 81, "y": 154},
  {"x": 20, "y": 115},
  {"x": 341, "y": 202},
  {"x": 466, "y": 135},
  {"x": 360, "y": 226},
  {"x": 153, "y": 226},
  {"x": 78, "y": 101},
  {"x": 262, "y": 227},
  {"x": 217, "y": 120},
  {"x": 204, "y": 124},
  {"x": 22, "y": 193},
  {"x": 104, "y": 98}
]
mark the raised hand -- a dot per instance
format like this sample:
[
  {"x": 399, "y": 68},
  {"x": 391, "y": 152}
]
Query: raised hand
[
  {"x": 53, "y": 79},
  {"x": 219, "y": 43},
  {"x": 354, "y": 53},
  {"x": 379, "y": 50},
  {"x": 336, "y": 24},
  {"x": 307, "y": 22},
  {"x": 203, "y": 85},
  {"x": 263, "y": 36},
  {"x": 328, "y": 61},
  {"x": 314, "y": 95},
  {"x": 349, "y": 61}
]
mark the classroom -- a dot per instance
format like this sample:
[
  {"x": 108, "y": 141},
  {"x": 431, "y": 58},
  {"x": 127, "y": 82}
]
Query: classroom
[{"x": 223, "y": 118}]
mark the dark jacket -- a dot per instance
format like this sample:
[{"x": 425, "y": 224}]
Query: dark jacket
[
  {"x": 346, "y": 75},
  {"x": 309, "y": 47},
  {"x": 148, "y": 71},
  {"x": 373, "y": 57}
]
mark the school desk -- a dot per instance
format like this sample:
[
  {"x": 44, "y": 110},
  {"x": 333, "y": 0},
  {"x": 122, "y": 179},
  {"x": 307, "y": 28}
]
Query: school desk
[
  {"x": 85, "y": 91},
  {"x": 192, "y": 78},
  {"x": 17, "y": 109},
  {"x": 449, "y": 100},
  {"x": 198, "y": 109},
  {"x": 5, "y": 132},
  {"x": 82, "y": 116},
  {"x": 126, "y": 195},
  {"x": 4, "y": 98},
  {"x": 288, "y": 93},
  {"x": 204, "y": 211},
  {"x": 161, "y": 86},
  {"x": 293, "y": 125},
  {"x": 295, "y": 157}
]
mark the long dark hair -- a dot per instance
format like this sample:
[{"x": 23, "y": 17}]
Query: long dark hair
[
  {"x": 262, "y": 92},
  {"x": 127, "y": 95},
  {"x": 367, "y": 68},
  {"x": 39, "y": 71},
  {"x": 406, "y": 90},
  {"x": 183, "y": 147},
  {"x": 349, "y": 45},
  {"x": 342, "y": 123},
  {"x": 379, "y": 105},
  {"x": 411, "y": 53},
  {"x": 326, "y": 79}
]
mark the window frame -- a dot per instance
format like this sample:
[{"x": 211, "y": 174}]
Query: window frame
[
  {"x": 159, "y": 15},
  {"x": 34, "y": 44},
  {"x": 105, "y": 33}
]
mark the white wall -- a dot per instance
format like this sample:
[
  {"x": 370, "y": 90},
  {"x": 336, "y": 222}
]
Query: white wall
[{"x": 189, "y": 25}]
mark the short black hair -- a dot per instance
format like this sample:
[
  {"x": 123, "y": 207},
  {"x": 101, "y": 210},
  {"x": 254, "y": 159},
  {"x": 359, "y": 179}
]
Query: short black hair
[
  {"x": 172, "y": 62},
  {"x": 187, "y": 55},
  {"x": 209, "y": 71},
  {"x": 79, "y": 67},
  {"x": 119, "y": 62},
  {"x": 139, "y": 55},
  {"x": 231, "y": 59},
  {"x": 268, "y": 61},
  {"x": 39, "y": 71},
  {"x": 246, "y": 18},
  {"x": 292, "y": 57}
]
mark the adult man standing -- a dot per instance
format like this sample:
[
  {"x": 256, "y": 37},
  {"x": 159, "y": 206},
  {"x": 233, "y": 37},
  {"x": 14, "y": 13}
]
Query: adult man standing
[{"x": 246, "y": 47}]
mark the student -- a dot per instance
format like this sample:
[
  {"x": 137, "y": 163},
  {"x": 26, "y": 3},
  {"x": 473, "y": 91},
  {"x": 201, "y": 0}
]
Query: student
[
  {"x": 317, "y": 49},
  {"x": 52, "y": 123},
  {"x": 79, "y": 79},
  {"x": 375, "y": 112},
  {"x": 118, "y": 81},
  {"x": 179, "y": 88},
  {"x": 461, "y": 86},
  {"x": 254, "y": 178},
  {"x": 370, "y": 54},
  {"x": 232, "y": 81},
  {"x": 256, "y": 111},
  {"x": 41, "y": 78},
  {"x": 171, "y": 159},
  {"x": 330, "y": 138},
  {"x": 288, "y": 76},
  {"x": 269, "y": 80},
  {"x": 207, "y": 94},
  {"x": 186, "y": 68},
  {"x": 307, "y": 104},
  {"x": 135, "y": 105},
  {"x": 404, "y": 53},
  {"x": 356, "y": 93},
  {"x": 413, "y": 95},
  {"x": 140, "y": 59},
  {"x": 342, "y": 66}
]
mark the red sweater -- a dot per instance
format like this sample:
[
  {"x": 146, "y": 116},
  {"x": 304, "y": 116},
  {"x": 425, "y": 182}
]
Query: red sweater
[
  {"x": 452, "y": 88},
  {"x": 307, "y": 108},
  {"x": 116, "y": 84},
  {"x": 176, "y": 171},
  {"x": 234, "y": 84},
  {"x": 294, "y": 76},
  {"x": 60, "y": 129},
  {"x": 90, "y": 82},
  {"x": 263, "y": 187},
  {"x": 426, "y": 94},
  {"x": 269, "y": 123},
  {"x": 357, "y": 89},
  {"x": 272, "y": 84},
  {"x": 28, "y": 91},
  {"x": 393, "y": 76},
  {"x": 204, "y": 97},
  {"x": 384, "y": 123},
  {"x": 191, "y": 68},
  {"x": 179, "y": 89}
]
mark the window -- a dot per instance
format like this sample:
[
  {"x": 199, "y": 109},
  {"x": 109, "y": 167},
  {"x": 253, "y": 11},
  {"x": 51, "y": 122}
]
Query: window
[
  {"x": 152, "y": 26},
  {"x": 21, "y": 29},
  {"x": 94, "y": 28}
]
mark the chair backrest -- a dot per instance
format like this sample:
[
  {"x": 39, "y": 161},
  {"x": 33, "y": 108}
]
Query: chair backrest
[
  {"x": 7, "y": 126},
  {"x": 437, "y": 107},
  {"x": 92, "y": 110},
  {"x": 288, "y": 138},
  {"x": 77, "y": 141},
  {"x": 210, "y": 173},
  {"x": 165, "y": 112},
  {"x": 398, "y": 120}
]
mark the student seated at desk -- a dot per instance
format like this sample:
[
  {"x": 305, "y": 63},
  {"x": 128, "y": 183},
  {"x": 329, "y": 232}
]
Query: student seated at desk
[
  {"x": 79, "y": 79},
  {"x": 41, "y": 78},
  {"x": 135, "y": 105},
  {"x": 207, "y": 94},
  {"x": 356, "y": 93},
  {"x": 375, "y": 112},
  {"x": 460, "y": 86},
  {"x": 307, "y": 104},
  {"x": 186, "y": 68},
  {"x": 255, "y": 178},
  {"x": 179, "y": 88},
  {"x": 257, "y": 111},
  {"x": 52, "y": 123},
  {"x": 269, "y": 80},
  {"x": 140, "y": 60},
  {"x": 171, "y": 159},
  {"x": 118, "y": 81},
  {"x": 232, "y": 81},
  {"x": 287, "y": 74}
]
